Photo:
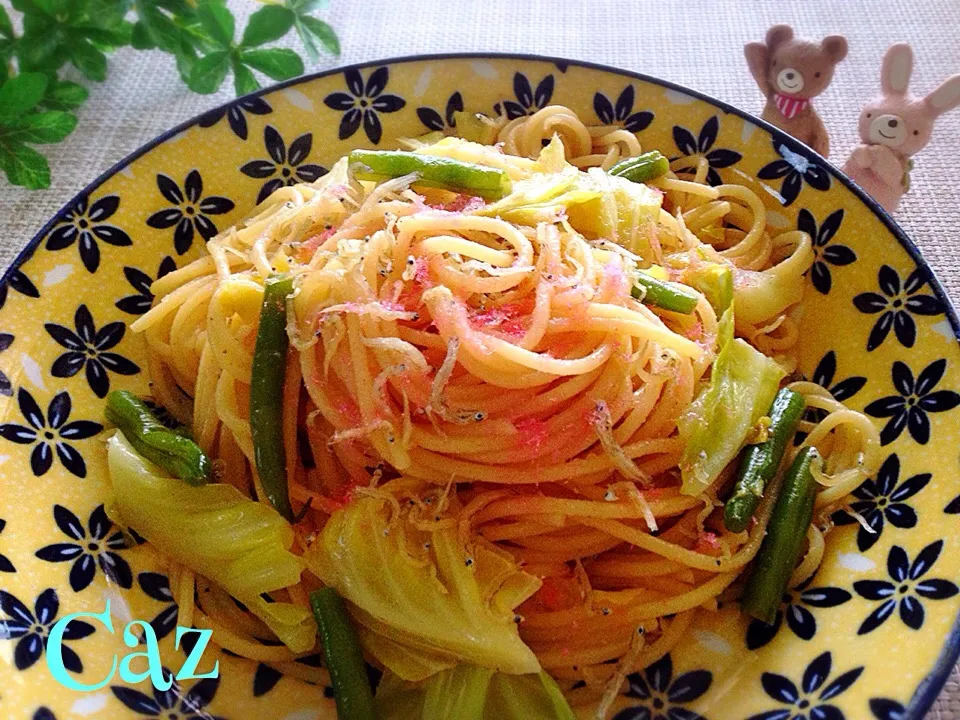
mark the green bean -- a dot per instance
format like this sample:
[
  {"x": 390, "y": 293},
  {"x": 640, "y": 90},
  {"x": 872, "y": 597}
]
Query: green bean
[
  {"x": 760, "y": 461},
  {"x": 266, "y": 394},
  {"x": 667, "y": 295},
  {"x": 170, "y": 449},
  {"x": 642, "y": 168},
  {"x": 784, "y": 539},
  {"x": 342, "y": 656},
  {"x": 439, "y": 172}
]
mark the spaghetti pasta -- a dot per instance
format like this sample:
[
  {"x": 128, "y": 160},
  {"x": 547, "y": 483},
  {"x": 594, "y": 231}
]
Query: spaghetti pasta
[{"x": 493, "y": 366}]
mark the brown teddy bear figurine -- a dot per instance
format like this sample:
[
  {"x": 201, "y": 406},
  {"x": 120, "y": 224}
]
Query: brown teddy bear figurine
[{"x": 790, "y": 73}]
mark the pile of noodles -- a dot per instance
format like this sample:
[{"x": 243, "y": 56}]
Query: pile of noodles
[{"x": 507, "y": 365}]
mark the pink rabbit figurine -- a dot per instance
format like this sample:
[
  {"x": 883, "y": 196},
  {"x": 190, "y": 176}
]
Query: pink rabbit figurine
[{"x": 894, "y": 127}]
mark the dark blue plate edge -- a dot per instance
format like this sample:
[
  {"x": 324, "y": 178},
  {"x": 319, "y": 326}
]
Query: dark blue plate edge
[{"x": 929, "y": 688}]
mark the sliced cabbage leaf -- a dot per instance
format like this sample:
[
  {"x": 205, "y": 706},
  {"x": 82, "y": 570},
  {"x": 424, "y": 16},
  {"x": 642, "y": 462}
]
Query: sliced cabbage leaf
[
  {"x": 762, "y": 295},
  {"x": 476, "y": 127},
  {"x": 715, "y": 282},
  {"x": 743, "y": 383},
  {"x": 595, "y": 204},
  {"x": 466, "y": 692},
  {"x": 422, "y": 602},
  {"x": 213, "y": 529},
  {"x": 541, "y": 197},
  {"x": 627, "y": 216}
]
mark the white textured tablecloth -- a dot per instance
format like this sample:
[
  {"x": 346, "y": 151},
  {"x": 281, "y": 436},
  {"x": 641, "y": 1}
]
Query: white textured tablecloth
[{"x": 697, "y": 43}]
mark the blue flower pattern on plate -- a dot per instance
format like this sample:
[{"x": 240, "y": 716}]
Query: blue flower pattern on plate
[
  {"x": 88, "y": 347},
  {"x": 363, "y": 102},
  {"x": 795, "y": 169},
  {"x": 50, "y": 432},
  {"x": 906, "y": 588},
  {"x": 31, "y": 630},
  {"x": 809, "y": 701},
  {"x": 93, "y": 547},
  {"x": 882, "y": 501},
  {"x": 663, "y": 697},
  {"x": 701, "y": 146},
  {"x": 915, "y": 398}
]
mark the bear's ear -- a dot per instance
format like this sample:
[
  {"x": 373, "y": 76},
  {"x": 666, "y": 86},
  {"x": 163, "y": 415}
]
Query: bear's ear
[
  {"x": 758, "y": 59},
  {"x": 897, "y": 66},
  {"x": 778, "y": 34},
  {"x": 834, "y": 47}
]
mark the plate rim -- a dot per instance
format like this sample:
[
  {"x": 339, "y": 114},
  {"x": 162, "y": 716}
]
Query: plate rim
[{"x": 930, "y": 686}]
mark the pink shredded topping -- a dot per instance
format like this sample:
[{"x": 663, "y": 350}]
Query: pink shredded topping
[
  {"x": 509, "y": 319},
  {"x": 421, "y": 271},
  {"x": 340, "y": 498},
  {"x": 708, "y": 543},
  {"x": 462, "y": 203},
  {"x": 695, "y": 332},
  {"x": 317, "y": 240},
  {"x": 532, "y": 433},
  {"x": 349, "y": 410},
  {"x": 614, "y": 283}
]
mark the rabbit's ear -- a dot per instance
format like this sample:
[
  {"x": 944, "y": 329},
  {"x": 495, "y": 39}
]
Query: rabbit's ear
[
  {"x": 778, "y": 34},
  {"x": 946, "y": 97},
  {"x": 897, "y": 66}
]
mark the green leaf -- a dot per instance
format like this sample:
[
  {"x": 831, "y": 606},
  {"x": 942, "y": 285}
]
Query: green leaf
[
  {"x": 21, "y": 93},
  {"x": 40, "y": 50},
  {"x": 6, "y": 27},
  {"x": 178, "y": 7},
  {"x": 208, "y": 72},
  {"x": 269, "y": 23},
  {"x": 88, "y": 60},
  {"x": 140, "y": 37},
  {"x": 34, "y": 25},
  {"x": 243, "y": 80},
  {"x": 161, "y": 29},
  {"x": 186, "y": 59},
  {"x": 107, "y": 37},
  {"x": 308, "y": 40},
  {"x": 218, "y": 22},
  {"x": 28, "y": 7},
  {"x": 65, "y": 95},
  {"x": 323, "y": 32},
  {"x": 47, "y": 127},
  {"x": 54, "y": 7},
  {"x": 301, "y": 7},
  {"x": 24, "y": 166},
  {"x": 107, "y": 13},
  {"x": 277, "y": 63}
]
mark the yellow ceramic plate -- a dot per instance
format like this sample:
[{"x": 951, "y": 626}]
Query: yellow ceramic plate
[{"x": 871, "y": 636}]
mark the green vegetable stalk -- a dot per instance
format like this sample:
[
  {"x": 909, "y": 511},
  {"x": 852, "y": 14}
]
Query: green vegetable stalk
[
  {"x": 168, "y": 448},
  {"x": 666, "y": 295},
  {"x": 342, "y": 656},
  {"x": 760, "y": 462},
  {"x": 266, "y": 394},
  {"x": 784, "y": 539},
  {"x": 642, "y": 168},
  {"x": 439, "y": 172}
]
